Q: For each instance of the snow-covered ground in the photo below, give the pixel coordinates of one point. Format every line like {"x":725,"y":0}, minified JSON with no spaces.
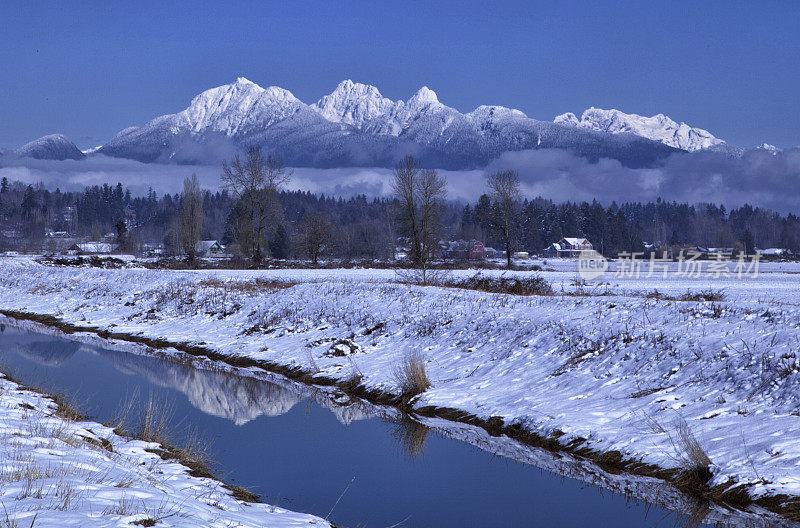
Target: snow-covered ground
{"x":611,"y":365}
{"x":55,"y":472}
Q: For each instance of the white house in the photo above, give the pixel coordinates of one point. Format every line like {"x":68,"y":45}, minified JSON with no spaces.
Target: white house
{"x":210,"y":248}
{"x":567,"y":248}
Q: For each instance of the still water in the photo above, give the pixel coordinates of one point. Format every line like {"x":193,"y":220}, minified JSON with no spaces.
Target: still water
{"x":304,"y":449}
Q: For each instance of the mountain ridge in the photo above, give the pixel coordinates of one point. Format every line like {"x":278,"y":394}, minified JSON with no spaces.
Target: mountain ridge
{"x":657,"y":128}
{"x":355,"y":125}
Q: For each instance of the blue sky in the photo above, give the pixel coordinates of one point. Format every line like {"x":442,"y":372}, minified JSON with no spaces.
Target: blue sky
{"x":88,"y":69}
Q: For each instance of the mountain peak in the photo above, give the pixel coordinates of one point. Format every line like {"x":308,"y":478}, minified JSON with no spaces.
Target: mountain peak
{"x":353,"y":103}
{"x":348,"y":88}
{"x":491,"y":112}
{"x":228,"y":107}
{"x":424,"y":96}
{"x":769,"y":148}
{"x":52,"y":147}
{"x":657,"y":128}
{"x":277,"y":94}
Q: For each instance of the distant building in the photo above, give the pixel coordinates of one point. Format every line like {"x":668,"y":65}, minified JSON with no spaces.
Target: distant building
{"x":567,"y":248}
{"x":465,"y":250}
{"x":57,"y":234}
{"x":57,"y":241}
{"x":774,"y":252}
{"x":210,"y":248}
{"x":93,"y":248}
{"x":494,"y":253}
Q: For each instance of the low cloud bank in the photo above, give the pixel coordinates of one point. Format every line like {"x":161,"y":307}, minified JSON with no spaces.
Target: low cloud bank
{"x":759,"y":177}
{"x":70,"y":175}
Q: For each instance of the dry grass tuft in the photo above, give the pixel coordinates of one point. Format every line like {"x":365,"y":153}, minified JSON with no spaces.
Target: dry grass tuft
{"x":66,"y":409}
{"x":412,"y":375}
{"x":695,"y":462}
{"x":155,"y":421}
{"x":690,"y":449}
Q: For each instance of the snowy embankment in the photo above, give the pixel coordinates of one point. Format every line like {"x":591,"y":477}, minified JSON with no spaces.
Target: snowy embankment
{"x":57,"y":472}
{"x":621,"y":370}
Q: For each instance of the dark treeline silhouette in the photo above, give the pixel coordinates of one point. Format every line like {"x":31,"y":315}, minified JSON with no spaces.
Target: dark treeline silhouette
{"x":313,"y":226}
{"x":626,"y":227}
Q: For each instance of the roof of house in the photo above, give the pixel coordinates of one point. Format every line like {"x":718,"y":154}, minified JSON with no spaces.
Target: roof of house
{"x":575,"y":241}
{"x":205,"y":245}
{"x":463,"y":244}
{"x":97,"y":247}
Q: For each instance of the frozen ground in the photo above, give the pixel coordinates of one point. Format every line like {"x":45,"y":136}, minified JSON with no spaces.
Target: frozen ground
{"x":610,"y":365}
{"x":55,"y":472}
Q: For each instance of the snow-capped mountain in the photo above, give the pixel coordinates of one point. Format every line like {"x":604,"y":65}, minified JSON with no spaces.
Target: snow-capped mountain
{"x":356,"y":126}
{"x":52,"y":147}
{"x":657,"y":128}
{"x":355,"y":104}
{"x":766,"y":147}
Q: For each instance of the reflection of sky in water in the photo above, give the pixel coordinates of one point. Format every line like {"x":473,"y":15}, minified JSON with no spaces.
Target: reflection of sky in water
{"x":289,"y":445}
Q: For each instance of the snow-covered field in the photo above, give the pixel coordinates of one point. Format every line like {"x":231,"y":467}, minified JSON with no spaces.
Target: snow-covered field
{"x":611,"y":365}
{"x":55,"y":472}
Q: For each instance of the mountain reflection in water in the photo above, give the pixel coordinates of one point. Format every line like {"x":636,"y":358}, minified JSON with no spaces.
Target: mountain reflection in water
{"x":280,"y":449}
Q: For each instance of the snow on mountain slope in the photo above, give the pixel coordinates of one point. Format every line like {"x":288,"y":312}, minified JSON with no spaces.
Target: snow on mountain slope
{"x":238,"y":106}
{"x":657,"y":128}
{"x":766,"y":147}
{"x":363,"y":107}
{"x":356,"y":126}
{"x":52,"y":147}
{"x":354,"y":104}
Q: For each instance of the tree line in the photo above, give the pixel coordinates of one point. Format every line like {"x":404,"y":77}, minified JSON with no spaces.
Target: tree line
{"x":257,"y":218}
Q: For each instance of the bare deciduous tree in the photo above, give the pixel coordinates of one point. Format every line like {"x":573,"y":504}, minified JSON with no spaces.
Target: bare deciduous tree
{"x":316,"y":235}
{"x":421,"y":193}
{"x":190,"y":217}
{"x":255,"y":182}
{"x":505,"y":193}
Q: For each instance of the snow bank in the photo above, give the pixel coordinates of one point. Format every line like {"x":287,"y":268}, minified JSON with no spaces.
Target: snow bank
{"x":619,"y":369}
{"x":59,"y":473}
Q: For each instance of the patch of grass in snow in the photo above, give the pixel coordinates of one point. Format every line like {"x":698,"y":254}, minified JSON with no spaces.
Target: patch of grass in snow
{"x":422,"y":276}
{"x":153,"y":423}
{"x":534,"y":285}
{"x":255,"y":286}
{"x":412,"y":375}
{"x":689,"y":296}
{"x":704,"y":295}
{"x":695,"y":463}
{"x":67,"y":409}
